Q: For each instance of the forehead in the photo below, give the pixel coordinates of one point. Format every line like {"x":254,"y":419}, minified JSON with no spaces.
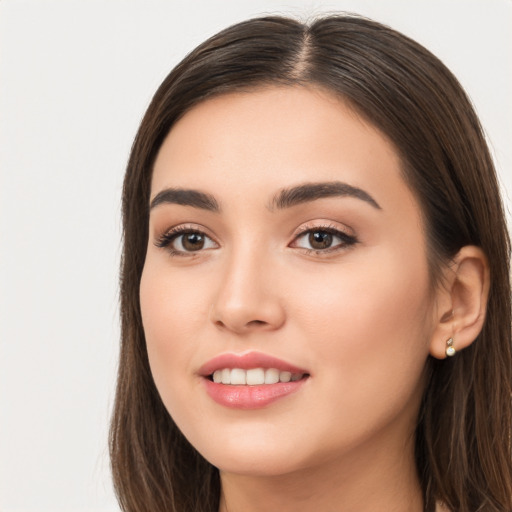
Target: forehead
{"x":275,"y":137}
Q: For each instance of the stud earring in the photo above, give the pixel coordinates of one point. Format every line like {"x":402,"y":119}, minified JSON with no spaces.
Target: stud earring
{"x":450,"y":349}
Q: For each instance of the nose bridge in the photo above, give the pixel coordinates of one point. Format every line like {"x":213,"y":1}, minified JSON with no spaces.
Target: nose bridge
{"x":247,"y":298}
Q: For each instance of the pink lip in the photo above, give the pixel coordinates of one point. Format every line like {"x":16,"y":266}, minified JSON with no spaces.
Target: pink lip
{"x":249,"y":397}
{"x":245,"y":361}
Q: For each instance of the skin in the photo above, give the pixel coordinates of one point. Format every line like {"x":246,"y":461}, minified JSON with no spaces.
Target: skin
{"x":361,"y":318}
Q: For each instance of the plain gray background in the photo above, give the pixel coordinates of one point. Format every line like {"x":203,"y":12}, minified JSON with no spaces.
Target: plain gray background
{"x":75,"y":79}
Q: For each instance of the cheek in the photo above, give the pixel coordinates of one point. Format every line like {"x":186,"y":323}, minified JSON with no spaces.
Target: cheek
{"x":368,"y":326}
{"x":360,"y":301}
{"x":173,"y":300}
{"x":173,"y":310}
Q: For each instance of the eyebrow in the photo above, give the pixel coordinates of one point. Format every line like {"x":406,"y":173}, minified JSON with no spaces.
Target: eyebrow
{"x":286,"y":198}
{"x":312,"y":191}
{"x":186,"y":197}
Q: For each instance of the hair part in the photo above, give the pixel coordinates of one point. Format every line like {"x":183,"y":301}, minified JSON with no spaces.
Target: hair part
{"x":463,"y":436}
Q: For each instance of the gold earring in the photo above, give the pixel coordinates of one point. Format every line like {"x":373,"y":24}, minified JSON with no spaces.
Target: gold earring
{"x":450,"y":349}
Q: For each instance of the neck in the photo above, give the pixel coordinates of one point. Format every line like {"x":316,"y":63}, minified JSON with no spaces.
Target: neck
{"x":360,"y":482}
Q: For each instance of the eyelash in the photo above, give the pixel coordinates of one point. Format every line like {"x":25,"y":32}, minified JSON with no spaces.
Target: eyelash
{"x":346,"y":240}
{"x":166,"y":240}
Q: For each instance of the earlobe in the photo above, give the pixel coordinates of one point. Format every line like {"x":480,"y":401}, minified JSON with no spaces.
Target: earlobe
{"x":463,"y":303}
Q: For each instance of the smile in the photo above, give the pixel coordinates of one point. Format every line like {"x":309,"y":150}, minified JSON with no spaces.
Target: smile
{"x":253,"y":376}
{"x":250,"y":380}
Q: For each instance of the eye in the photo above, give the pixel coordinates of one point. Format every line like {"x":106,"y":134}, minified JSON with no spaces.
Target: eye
{"x":192,"y":241}
{"x":323,"y":239}
{"x":182,"y":240}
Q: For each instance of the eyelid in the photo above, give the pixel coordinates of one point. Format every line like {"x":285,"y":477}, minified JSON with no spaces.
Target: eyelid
{"x":347,"y":237}
{"x":344,"y":234}
{"x":167,"y":237}
{"x":323,"y":225}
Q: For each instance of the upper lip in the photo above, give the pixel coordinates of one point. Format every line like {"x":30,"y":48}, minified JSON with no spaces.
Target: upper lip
{"x":246,"y":361}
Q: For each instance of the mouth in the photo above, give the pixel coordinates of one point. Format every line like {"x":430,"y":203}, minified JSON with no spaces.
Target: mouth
{"x":254,"y":376}
{"x":251,"y":380}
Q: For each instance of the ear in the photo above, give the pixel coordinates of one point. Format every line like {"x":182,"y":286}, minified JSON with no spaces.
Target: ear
{"x":461,"y":301}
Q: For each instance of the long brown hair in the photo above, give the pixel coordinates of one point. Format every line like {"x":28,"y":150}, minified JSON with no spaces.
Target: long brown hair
{"x":463,"y":435}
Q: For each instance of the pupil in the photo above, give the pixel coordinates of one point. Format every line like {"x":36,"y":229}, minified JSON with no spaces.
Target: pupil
{"x":320,"y":239}
{"x":193,"y":241}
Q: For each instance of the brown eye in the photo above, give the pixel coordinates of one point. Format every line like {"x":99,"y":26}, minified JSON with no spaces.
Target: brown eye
{"x":185,"y":241}
{"x":320,"y":239}
{"x":323,"y":240}
{"x":193,"y":241}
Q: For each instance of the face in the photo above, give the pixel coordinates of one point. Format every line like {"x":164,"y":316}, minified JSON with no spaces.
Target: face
{"x":285,"y":297}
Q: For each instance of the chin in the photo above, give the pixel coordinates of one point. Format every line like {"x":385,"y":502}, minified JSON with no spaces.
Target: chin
{"x":256,"y":456}
{"x":243,"y":453}
{"x":256,"y":465}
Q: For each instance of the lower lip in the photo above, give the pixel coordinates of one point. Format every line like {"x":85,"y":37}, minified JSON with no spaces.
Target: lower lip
{"x":250,"y":397}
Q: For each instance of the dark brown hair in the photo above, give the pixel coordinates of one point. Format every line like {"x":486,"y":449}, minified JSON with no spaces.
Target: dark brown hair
{"x":463,"y":436}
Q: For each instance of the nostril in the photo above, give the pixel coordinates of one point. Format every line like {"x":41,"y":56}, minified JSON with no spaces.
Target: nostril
{"x":252,"y":324}
{"x":256,"y":322}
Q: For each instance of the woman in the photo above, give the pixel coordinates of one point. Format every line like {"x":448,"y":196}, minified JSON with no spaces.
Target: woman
{"x":315,"y":291}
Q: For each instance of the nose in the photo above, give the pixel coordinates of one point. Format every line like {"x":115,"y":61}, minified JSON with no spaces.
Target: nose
{"x":248,"y":297}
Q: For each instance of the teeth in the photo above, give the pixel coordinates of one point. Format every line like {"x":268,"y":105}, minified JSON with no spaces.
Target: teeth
{"x":225,"y":376}
{"x":285,"y":376}
{"x":254,"y":376}
{"x":271,"y":376}
{"x":238,"y":376}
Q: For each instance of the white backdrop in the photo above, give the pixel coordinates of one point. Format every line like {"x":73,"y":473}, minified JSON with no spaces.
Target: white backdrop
{"x":75,"y":78}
